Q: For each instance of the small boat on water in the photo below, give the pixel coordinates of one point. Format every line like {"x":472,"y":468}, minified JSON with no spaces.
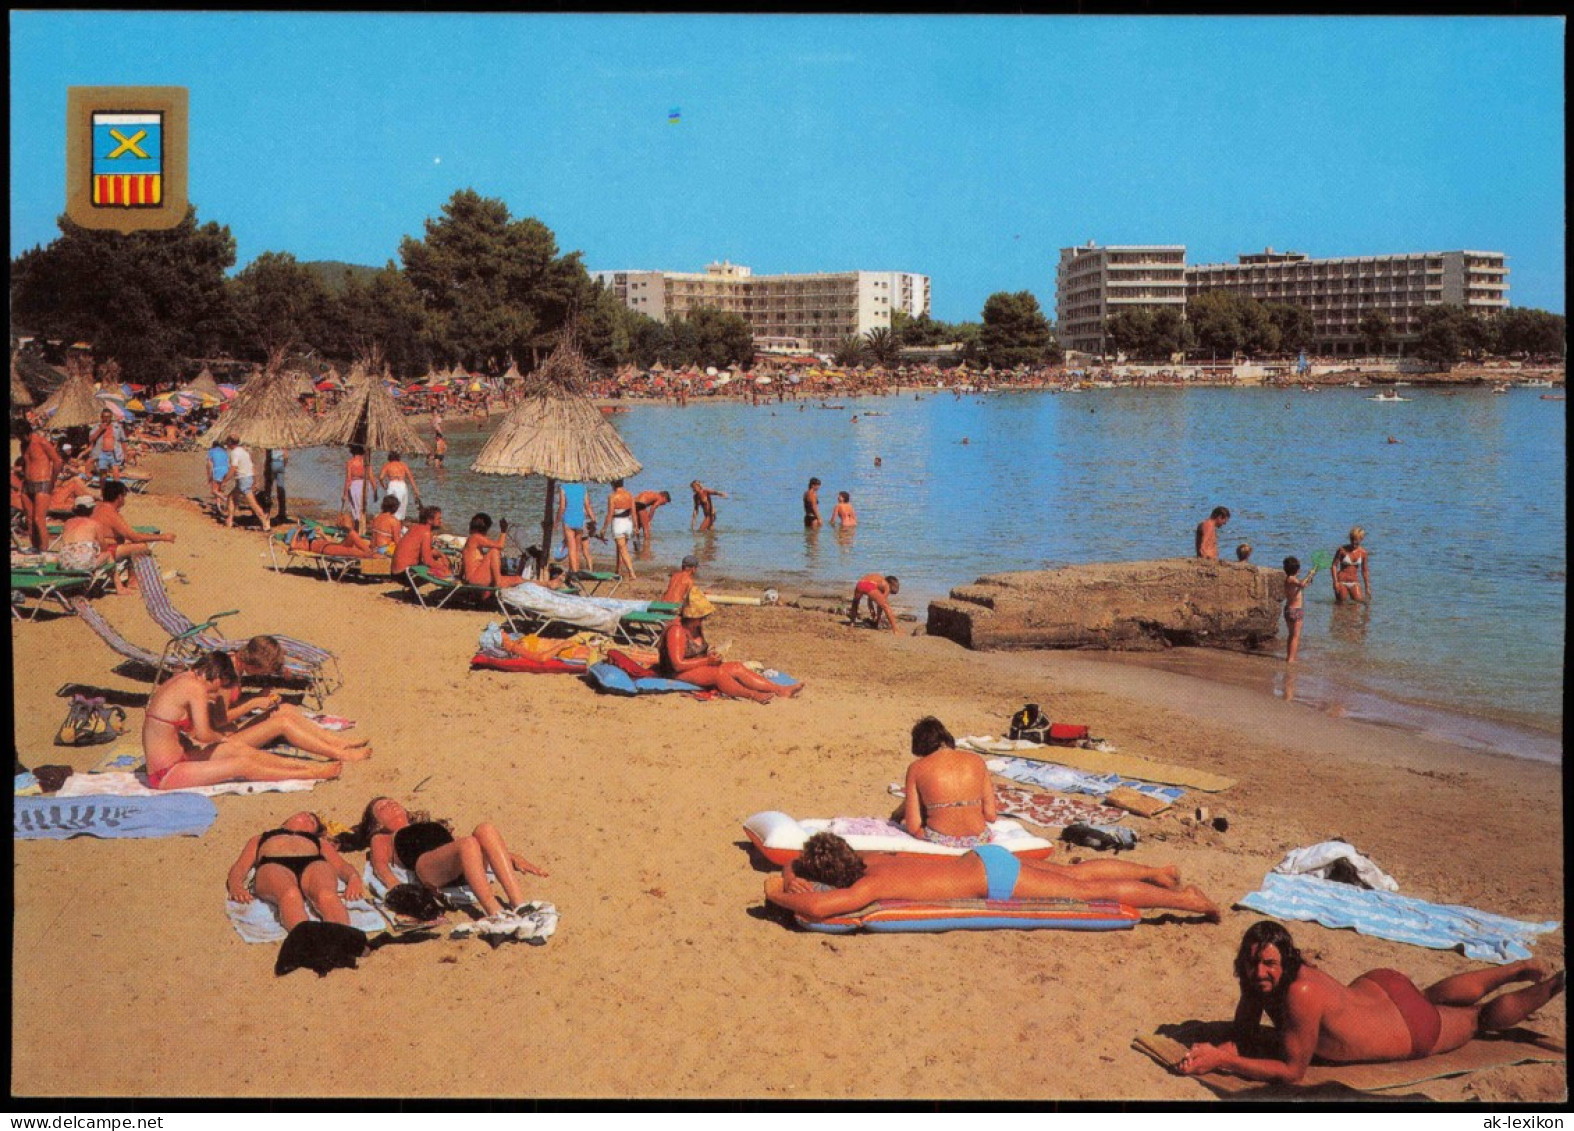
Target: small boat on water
{"x":1357,"y":384}
{"x":1553,"y":397}
{"x":1500,"y":388}
{"x":1538,"y":383}
{"x":1388,"y":398}
{"x":1401,"y":384}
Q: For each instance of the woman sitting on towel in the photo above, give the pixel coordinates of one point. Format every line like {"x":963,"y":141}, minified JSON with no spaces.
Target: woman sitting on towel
{"x":295,"y":865}
{"x":986,"y":872}
{"x":188,"y":741}
{"x":949,"y":798}
{"x":429,"y":852}
{"x":685,"y":655}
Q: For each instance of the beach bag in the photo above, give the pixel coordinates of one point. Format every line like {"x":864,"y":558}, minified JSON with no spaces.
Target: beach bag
{"x":1030,"y":725}
{"x":89,"y":722}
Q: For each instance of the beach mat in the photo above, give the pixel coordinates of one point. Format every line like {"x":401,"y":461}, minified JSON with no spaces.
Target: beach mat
{"x":110,"y":818}
{"x":133,"y":785}
{"x":1063,"y":779}
{"x":1101,"y":762}
{"x":1514,"y":1046}
{"x":1043,"y":809}
{"x":1480,"y":935}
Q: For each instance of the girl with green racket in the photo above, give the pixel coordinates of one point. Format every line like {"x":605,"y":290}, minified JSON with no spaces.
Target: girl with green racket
{"x":1295,"y":588}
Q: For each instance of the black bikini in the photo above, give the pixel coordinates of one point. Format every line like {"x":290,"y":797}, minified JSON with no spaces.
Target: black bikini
{"x":414,"y":841}
{"x":296,"y":864}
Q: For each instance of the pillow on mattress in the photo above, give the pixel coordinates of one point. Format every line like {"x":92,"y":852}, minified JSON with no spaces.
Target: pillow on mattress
{"x":607,"y":677}
{"x":780,"y":838}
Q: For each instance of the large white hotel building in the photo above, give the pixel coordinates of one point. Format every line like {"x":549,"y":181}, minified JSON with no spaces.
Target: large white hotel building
{"x":1096,"y":282}
{"x":804,"y":312}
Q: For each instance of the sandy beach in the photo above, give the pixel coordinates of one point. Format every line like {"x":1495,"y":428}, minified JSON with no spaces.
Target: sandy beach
{"x":668,"y":977}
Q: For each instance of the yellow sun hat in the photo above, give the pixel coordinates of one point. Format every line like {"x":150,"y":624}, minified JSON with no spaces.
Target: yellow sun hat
{"x":697,"y":605}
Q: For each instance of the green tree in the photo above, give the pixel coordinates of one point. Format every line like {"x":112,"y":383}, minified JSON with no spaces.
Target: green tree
{"x":493,"y":287}
{"x":1130,"y":332}
{"x":1218,"y":322}
{"x":1536,"y":333}
{"x":1375,"y":329}
{"x":384,"y":313}
{"x":1262,"y":333}
{"x":882,"y":346}
{"x":648,"y":339}
{"x":1015,"y":330}
{"x":278,"y":303}
{"x":1441,"y":339}
{"x":1295,"y":325}
{"x":1171,"y":334}
{"x":147,"y":299}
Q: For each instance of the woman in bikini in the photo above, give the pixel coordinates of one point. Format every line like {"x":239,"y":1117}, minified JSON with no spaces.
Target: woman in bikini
{"x":295,"y":866}
{"x":350,"y":545}
{"x":386,"y":529}
{"x":843,"y":514}
{"x":189,"y":738}
{"x":686,"y":655}
{"x":1350,"y":576}
{"x":620,"y":520}
{"x":359,"y":488}
{"x":429,"y":852}
{"x":951,"y":801}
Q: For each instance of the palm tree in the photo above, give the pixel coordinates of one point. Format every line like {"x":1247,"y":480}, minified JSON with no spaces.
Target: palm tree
{"x":850,"y":351}
{"x":883,"y":346}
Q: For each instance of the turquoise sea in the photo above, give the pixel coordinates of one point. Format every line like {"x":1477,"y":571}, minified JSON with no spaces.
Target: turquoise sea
{"x":1465,"y":515}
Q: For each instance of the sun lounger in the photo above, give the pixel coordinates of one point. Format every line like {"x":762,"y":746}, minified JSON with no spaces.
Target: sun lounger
{"x":118,"y":643}
{"x":41,"y":585}
{"x":590,"y":582}
{"x":301,"y":660}
{"x":446,"y":590}
{"x":530,"y":607}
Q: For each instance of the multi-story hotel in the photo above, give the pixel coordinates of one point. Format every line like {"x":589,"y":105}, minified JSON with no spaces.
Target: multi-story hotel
{"x":814,"y":312}
{"x":1094,"y":283}
{"x":1338,"y":292}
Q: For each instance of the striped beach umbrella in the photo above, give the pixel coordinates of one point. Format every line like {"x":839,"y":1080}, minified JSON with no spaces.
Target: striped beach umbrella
{"x":228,"y":392}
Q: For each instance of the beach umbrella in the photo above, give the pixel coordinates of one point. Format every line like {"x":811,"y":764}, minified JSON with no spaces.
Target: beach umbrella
{"x":204,"y":383}
{"x":111,"y":396}
{"x":20,"y":397}
{"x":762,"y":380}
{"x":136,"y":405}
{"x":265,"y":414}
{"x":367,"y":415}
{"x":228,"y":392}
{"x":74,"y":405}
{"x":556,"y":431}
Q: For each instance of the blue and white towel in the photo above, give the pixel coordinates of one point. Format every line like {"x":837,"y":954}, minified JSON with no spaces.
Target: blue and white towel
{"x":110,"y":817}
{"x":1385,"y":915}
{"x":258,"y":922}
{"x":1063,"y":779}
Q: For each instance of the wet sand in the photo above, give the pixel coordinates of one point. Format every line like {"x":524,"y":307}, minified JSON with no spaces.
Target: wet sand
{"x":668,"y":977}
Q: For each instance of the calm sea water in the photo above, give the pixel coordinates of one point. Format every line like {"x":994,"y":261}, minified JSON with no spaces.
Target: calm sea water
{"x":1465,"y":516}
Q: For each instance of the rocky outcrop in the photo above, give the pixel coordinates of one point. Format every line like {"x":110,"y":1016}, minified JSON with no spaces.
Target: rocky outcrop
{"x":1133,"y":606}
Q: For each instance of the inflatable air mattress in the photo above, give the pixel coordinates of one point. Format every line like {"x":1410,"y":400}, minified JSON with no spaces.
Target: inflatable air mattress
{"x":891,"y":915}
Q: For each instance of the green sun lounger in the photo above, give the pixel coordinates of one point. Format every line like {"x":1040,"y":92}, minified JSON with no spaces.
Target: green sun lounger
{"x":39,"y":586}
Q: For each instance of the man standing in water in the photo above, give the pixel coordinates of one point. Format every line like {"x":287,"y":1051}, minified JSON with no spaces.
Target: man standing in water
{"x":811,"y":505}
{"x":1208,"y":533}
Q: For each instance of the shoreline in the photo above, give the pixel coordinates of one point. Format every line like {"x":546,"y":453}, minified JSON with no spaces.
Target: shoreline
{"x":1502,"y":736}
{"x":635,"y":806}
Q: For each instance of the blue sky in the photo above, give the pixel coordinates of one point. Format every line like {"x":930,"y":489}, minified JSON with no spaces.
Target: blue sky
{"x":968,"y":149}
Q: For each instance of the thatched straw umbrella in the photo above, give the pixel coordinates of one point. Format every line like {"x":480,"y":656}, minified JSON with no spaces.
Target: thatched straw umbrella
{"x":20,"y":397}
{"x":204,"y":383}
{"x":266,"y":413}
{"x":74,"y":405}
{"x":556,"y":431}
{"x":368,"y":416}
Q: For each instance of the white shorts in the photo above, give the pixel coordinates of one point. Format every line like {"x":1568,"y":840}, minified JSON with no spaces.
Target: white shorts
{"x":622,"y":527}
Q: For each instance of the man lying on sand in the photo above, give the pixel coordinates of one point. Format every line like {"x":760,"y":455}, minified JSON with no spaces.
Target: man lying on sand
{"x":1381,"y":1016}
{"x":986,"y":872}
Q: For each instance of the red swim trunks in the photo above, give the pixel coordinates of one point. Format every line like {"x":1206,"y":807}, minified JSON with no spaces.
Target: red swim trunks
{"x":866,"y":587}
{"x":1421,"y":1016}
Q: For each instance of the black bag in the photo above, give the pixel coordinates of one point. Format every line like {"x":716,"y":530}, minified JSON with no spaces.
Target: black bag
{"x":415,"y":901}
{"x":1030,"y":725}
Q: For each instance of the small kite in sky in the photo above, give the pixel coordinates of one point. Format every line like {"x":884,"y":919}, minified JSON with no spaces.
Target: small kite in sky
{"x":673,"y":117}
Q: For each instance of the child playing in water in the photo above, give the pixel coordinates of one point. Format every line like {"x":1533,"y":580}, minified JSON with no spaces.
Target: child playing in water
{"x":1294,"y":594}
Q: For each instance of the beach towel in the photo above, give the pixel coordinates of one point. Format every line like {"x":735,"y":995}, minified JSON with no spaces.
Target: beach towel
{"x":1064,"y":779}
{"x":27,"y":785}
{"x":1479,"y":934}
{"x":134,"y":785}
{"x":536,"y":923}
{"x":1043,"y":808}
{"x":110,"y":817}
{"x":258,"y":922}
{"x":1168,"y":1047}
{"x":1100,"y":762}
